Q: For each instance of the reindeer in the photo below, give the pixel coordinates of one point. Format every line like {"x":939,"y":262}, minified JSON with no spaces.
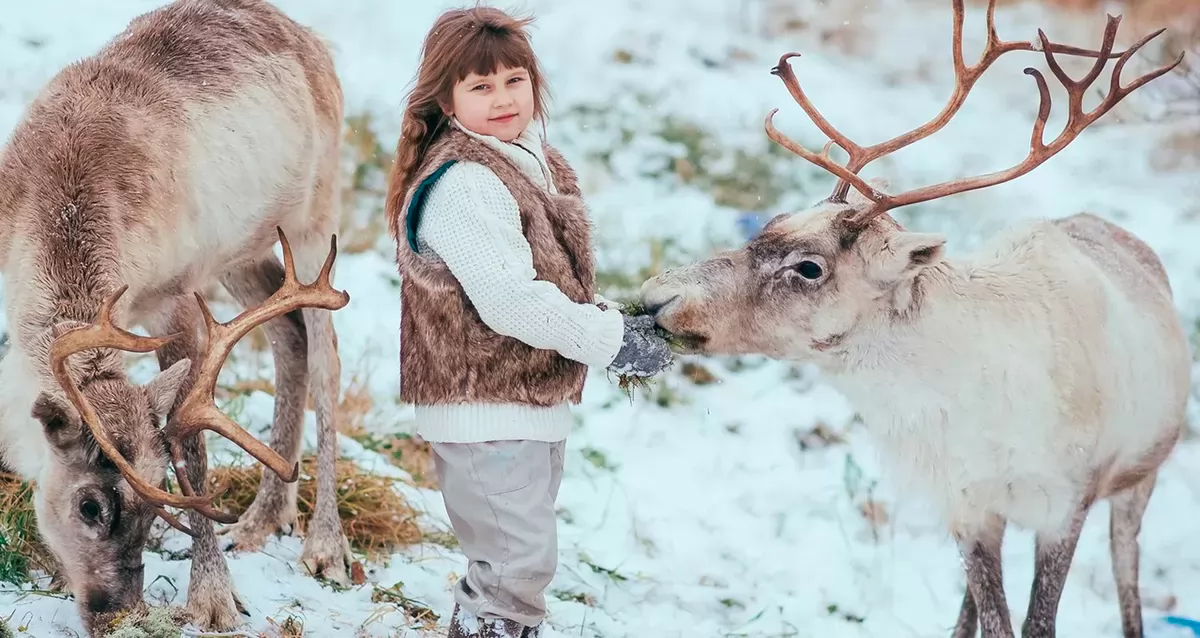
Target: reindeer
{"x":171,"y":159}
{"x":1023,"y":383}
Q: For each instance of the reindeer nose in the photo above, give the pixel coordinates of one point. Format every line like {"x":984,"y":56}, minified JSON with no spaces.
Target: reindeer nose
{"x":652,"y":307}
{"x":99,"y":602}
{"x":654,"y":294}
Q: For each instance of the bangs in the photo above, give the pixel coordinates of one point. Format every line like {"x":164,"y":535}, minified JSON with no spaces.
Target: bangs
{"x":489,"y":49}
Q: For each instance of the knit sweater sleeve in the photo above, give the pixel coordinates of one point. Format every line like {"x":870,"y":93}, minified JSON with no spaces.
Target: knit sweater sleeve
{"x":473,"y":224}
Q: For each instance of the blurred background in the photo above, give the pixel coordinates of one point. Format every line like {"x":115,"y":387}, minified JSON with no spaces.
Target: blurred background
{"x":735,"y":496}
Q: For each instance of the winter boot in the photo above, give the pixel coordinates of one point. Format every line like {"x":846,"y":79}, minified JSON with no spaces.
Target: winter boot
{"x":463,"y":625}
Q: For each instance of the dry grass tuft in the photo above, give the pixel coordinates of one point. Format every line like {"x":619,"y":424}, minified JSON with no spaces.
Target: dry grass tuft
{"x":374,"y":516}
{"x":291,"y":627}
{"x":21,"y":547}
{"x":417,"y":613}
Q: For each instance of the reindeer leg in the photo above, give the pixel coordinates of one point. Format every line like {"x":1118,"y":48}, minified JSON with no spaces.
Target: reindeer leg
{"x":327,"y":552}
{"x":1055,"y":551}
{"x":212,"y":602}
{"x":980,"y":552}
{"x":1124,"y":525}
{"x":967,"y":625}
{"x":274,"y":506}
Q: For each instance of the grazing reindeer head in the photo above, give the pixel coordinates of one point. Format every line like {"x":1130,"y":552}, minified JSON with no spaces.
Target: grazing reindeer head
{"x":88,"y":516}
{"x":104,"y":430}
{"x":812,"y":282}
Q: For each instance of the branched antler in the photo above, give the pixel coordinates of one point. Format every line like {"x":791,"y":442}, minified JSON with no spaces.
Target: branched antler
{"x":105,"y":334}
{"x":197,"y":411}
{"x":965,"y":78}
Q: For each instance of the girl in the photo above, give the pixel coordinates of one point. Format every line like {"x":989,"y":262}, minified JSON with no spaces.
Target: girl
{"x":499,"y":319}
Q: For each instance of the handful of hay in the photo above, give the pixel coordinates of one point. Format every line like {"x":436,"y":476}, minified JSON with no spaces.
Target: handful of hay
{"x":627,"y":382}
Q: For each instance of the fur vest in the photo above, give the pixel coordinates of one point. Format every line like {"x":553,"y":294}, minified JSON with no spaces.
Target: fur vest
{"x":447,"y":353}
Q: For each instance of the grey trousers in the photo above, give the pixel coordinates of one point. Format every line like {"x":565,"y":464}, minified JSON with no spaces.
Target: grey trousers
{"x":500,"y":497}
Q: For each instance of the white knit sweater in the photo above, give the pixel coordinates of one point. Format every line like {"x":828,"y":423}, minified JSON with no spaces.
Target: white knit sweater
{"x":472,"y":223}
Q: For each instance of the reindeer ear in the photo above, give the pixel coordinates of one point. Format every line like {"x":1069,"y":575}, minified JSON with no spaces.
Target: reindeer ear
{"x":905,"y":254}
{"x":58,"y":421}
{"x":164,"y":387}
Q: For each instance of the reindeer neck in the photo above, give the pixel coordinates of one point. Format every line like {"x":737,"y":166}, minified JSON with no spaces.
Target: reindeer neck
{"x":25,"y":374}
{"x":46,"y":307}
{"x":945,"y":309}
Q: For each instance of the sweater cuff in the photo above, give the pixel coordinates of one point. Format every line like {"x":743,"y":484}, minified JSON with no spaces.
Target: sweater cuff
{"x":609,"y":338}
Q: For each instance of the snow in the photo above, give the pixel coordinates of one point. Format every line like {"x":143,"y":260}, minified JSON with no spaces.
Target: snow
{"x":705,"y":517}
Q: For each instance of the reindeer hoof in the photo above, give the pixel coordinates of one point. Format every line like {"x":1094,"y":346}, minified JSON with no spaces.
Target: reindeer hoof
{"x":327,"y":556}
{"x":215,"y":608}
{"x":256,"y":526}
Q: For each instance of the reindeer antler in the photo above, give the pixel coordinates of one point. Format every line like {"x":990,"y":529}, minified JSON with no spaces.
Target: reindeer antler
{"x":105,"y":334}
{"x":965,"y":78}
{"x":198,"y":410}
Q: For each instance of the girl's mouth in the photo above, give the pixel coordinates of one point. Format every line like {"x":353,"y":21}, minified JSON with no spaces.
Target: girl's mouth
{"x":505,"y":119}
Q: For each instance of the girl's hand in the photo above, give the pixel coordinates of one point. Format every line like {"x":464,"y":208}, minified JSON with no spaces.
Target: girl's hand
{"x":643,"y":352}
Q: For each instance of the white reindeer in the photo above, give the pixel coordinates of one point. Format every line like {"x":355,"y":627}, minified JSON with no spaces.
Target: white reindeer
{"x":170,"y":159}
{"x":1023,"y":383}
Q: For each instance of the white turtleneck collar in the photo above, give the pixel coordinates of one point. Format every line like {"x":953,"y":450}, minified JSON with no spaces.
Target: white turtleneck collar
{"x":525,"y":152}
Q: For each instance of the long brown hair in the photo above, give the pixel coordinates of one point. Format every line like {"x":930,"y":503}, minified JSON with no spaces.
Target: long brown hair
{"x":462,"y":41}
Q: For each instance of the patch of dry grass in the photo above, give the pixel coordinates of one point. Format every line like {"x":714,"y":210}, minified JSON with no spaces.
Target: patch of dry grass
{"x":375,"y":517}
{"x":291,"y":627}
{"x":417,"y":613}
{"x":21,"y":547}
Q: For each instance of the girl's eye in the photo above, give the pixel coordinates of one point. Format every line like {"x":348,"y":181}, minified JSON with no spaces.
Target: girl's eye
{"x":479,"y":87}
{"x":517,"y":80}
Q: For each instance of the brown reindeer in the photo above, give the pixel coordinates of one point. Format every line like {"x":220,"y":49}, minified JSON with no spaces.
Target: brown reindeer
{"x":1023,"y":383}
{"x":172,"y":158}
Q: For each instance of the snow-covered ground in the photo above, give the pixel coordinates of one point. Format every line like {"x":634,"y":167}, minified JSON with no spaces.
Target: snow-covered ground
{"x":703,"y":514}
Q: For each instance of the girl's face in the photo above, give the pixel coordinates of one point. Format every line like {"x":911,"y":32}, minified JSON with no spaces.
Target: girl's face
{"x":500,"y":104}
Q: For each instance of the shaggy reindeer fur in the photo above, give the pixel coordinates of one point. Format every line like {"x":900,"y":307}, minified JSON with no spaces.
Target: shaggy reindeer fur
{"x":164,"y":162}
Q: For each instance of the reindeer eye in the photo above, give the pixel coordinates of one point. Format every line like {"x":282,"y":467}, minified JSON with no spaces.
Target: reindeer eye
{"x":89,"y":510}
{"x":809,"y":269}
